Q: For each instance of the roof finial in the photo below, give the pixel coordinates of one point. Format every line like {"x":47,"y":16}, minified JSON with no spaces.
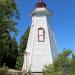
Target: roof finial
{"x":40,"y":1}
{"x":40,"y":4}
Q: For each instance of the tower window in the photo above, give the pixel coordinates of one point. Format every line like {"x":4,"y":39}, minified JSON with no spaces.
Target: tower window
{"x":41,"y":35}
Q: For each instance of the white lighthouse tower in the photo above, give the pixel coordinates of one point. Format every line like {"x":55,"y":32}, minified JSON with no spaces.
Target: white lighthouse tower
{"x":41,"y":46}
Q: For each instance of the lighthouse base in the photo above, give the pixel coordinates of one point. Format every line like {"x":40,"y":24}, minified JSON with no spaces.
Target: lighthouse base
{"x":36,"y":73}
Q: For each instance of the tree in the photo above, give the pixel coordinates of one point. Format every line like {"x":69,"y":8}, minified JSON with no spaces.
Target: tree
{"x":8,"y":16}
{"x":23,"y":41}
{"x":12,"y":53}
{"x":8,"y":13}
{"x":23,"y":44}
{"x":62,"y":65}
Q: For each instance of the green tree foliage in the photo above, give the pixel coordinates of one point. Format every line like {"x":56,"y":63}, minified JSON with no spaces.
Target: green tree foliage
{"x":8,"y":12}
{"x":19,"y":62}
{"x":12,"y":53}
{"x":23,"y":44}
{"x":64,"y":64}
{"x":8,"y":16}
{"x":23,"y":41}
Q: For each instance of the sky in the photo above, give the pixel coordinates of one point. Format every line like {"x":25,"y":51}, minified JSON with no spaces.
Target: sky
{"x":62,"y":20}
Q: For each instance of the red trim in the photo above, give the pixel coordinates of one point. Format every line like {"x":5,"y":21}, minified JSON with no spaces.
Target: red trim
{"x":40,"y":4}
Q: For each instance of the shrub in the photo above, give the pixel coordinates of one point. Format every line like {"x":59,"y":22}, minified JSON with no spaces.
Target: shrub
{"x":3,"y":71}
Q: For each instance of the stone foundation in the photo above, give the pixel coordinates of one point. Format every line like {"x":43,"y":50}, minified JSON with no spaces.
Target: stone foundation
{"x":14,"y":72}
{"x":36,"y":73}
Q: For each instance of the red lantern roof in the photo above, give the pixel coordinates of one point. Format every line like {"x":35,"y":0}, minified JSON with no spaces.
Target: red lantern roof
{"x":40,"y":4}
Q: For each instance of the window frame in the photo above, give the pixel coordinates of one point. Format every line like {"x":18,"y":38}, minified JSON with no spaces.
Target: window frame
{"x":41,"y":35}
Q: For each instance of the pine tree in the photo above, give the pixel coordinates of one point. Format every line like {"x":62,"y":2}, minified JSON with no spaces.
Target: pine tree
{"x":23,"y":44}
{"x":12,"y":54}
{"x":8,"y":15}
{"x":23,"y":40}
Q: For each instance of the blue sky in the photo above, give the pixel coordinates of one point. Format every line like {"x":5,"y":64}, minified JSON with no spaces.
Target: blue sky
{"x":62,"y":21}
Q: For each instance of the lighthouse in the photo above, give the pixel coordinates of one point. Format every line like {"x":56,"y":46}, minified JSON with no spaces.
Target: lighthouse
{"x":41,"y":46}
